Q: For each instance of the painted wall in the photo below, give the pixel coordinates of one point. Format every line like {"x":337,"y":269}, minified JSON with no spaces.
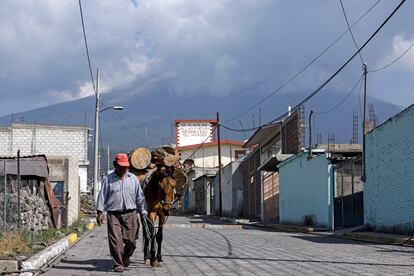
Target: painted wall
{"x":306,"y":190}
{"x":191,"y":192}
{"x":207,"y":157}
{"x":389,"y":187}
{"x":66,"y":170}
{"x":232,"y":190}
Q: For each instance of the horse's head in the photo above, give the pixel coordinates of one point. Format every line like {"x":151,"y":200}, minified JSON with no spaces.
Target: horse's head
{"x":166,"y":187}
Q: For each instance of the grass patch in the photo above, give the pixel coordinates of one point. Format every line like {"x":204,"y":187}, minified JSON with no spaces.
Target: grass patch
{"x":12,"y":244}
{"x":28,"y":244}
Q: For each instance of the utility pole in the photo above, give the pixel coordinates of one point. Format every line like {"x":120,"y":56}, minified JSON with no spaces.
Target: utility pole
{"x":310,"y":135}
{"x":219,"y":163}
{"x":365,"y":68}
{"x":95,"y":162}
{"x":146,"y":137}
{"x":107,"y":171}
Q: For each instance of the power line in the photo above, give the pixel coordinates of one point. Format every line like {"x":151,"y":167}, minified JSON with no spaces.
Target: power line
{"x":394,"y":61}
{"x":303,"y":69}
{"x":86,"y":46}
{"x":336,"y":73}
{"x":350,"y":31}
{"x":342,"y":101}
{"x":199,"y":147}
{"x":346,"y":63}
{"x":239,"y":130}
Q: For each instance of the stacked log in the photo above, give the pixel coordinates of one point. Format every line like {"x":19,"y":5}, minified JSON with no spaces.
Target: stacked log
{"x":143,"y":162}
{"x":167,"y":156}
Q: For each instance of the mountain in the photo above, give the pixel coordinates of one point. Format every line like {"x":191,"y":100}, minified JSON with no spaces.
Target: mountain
{"x":147,"y":118}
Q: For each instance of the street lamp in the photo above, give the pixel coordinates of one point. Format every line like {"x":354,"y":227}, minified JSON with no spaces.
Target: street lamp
{"x":96,"y":138}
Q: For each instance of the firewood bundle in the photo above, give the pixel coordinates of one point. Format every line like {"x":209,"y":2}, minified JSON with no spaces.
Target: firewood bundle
{"x":144,"y":162}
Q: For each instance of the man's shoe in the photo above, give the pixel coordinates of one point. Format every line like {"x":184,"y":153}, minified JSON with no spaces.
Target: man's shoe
{"x":118,"y":268}
{"x":126,"y":262}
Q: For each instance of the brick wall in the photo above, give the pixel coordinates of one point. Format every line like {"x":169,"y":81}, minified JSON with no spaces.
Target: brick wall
{"x":4,"y":141}
{"x":389,"y":187}
{"x":48,"y":140}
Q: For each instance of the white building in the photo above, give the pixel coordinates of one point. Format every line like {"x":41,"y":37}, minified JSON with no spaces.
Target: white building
{"x":206,"y":155}
{"x":66,"y":149}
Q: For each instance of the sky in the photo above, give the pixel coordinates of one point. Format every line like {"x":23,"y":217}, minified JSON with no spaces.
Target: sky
{"x":218,"y":48}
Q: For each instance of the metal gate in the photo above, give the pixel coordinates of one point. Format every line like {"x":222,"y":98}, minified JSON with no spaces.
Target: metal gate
{"x":348,"y":195}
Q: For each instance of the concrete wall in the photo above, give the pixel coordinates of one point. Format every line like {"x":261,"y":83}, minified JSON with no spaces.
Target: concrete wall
{"x":207,"y":157}
{"x":306,"y":190}
{"x":49,"y":140}
{"x":232,"y":190}
{"x":66,"y":169}
{"x":83,"y":179}
{"x":389,"y":187}
{"x":191,"y":192}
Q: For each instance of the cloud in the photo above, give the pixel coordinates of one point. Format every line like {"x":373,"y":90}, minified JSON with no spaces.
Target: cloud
{"x":400,"y":44}
{"x":218,"y":47}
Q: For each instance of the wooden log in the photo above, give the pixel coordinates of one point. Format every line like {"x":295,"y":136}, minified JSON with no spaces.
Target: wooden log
{"x":140,"y":158}
{"x":180,"y":180}
{"x":167,"y":156}
{"x":140,"y":174}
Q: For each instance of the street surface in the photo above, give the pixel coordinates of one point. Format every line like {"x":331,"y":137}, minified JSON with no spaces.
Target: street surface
{"x":223,"y":251}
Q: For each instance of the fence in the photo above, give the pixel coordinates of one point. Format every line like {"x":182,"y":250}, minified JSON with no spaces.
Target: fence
{"x":9,"y":200}
{"x":348,"y":201}
{"x":22,"y":200}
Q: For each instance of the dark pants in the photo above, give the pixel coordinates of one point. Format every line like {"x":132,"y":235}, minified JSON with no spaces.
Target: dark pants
{"x":122,"y":232}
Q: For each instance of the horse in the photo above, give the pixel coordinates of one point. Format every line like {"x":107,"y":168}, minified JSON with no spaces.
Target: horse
{"x":159,"y":194}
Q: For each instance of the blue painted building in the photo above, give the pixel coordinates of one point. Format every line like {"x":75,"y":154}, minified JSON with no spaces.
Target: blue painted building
{"x":305,"y":190}
{"x":325,"y":190}
{"x":389,"y":187}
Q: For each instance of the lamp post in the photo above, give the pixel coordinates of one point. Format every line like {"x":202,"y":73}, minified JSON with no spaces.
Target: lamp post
{"x":96,"y":138}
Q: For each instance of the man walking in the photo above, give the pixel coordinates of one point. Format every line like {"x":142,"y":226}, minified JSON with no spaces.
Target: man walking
{"x":121,"y":197}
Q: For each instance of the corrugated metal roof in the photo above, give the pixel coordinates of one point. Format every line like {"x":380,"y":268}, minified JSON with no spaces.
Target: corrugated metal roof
{"x":35,"y":165}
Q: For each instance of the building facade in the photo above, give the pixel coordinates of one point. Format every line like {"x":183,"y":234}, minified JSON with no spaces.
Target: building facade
{"x":66,"y":149}
{"x":389,"y":186}
{"x":206,"y":155}
{"x":306,"y":196}
{"x":232,"y":190}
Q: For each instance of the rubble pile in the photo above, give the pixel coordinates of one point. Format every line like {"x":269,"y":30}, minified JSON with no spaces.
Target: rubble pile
{"x":34,"y":212}
{"x":88,"y":204}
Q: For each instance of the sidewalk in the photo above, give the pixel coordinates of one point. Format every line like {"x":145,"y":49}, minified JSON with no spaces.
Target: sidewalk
{"x":381,"y":238}
{"x":353,"y":233}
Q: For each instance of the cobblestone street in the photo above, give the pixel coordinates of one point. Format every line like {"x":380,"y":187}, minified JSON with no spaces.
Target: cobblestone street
{"x":224,"y":251}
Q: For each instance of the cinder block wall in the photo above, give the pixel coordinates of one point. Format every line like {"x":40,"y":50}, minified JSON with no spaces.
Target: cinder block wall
{"x":389,"y":187}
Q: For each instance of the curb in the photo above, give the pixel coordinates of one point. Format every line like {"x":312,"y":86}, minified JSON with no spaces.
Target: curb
{"x":41,"y":258}
{"x":90,"y":226}
{"x":387,"y":239}
{"x":202,"y":226}
{"x":282,"y":227}
{"x":37,"y":261}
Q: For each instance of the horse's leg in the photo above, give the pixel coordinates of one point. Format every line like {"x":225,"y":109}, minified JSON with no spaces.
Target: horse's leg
{"x":159,"y":240}
{"x":146,"y":244}
{"x":153,"y":260}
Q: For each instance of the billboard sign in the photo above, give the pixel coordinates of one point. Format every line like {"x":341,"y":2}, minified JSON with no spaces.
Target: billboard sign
{"x":193,"y":132}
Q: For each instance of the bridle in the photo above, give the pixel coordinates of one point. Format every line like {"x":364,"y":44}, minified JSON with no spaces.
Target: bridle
{"x":164,"y":202}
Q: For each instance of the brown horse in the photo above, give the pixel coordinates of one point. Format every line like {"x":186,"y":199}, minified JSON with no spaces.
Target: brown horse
{"x":159,"y":193}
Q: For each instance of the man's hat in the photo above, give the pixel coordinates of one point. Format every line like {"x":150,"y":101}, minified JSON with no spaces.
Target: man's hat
{"x":122,"y":160}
